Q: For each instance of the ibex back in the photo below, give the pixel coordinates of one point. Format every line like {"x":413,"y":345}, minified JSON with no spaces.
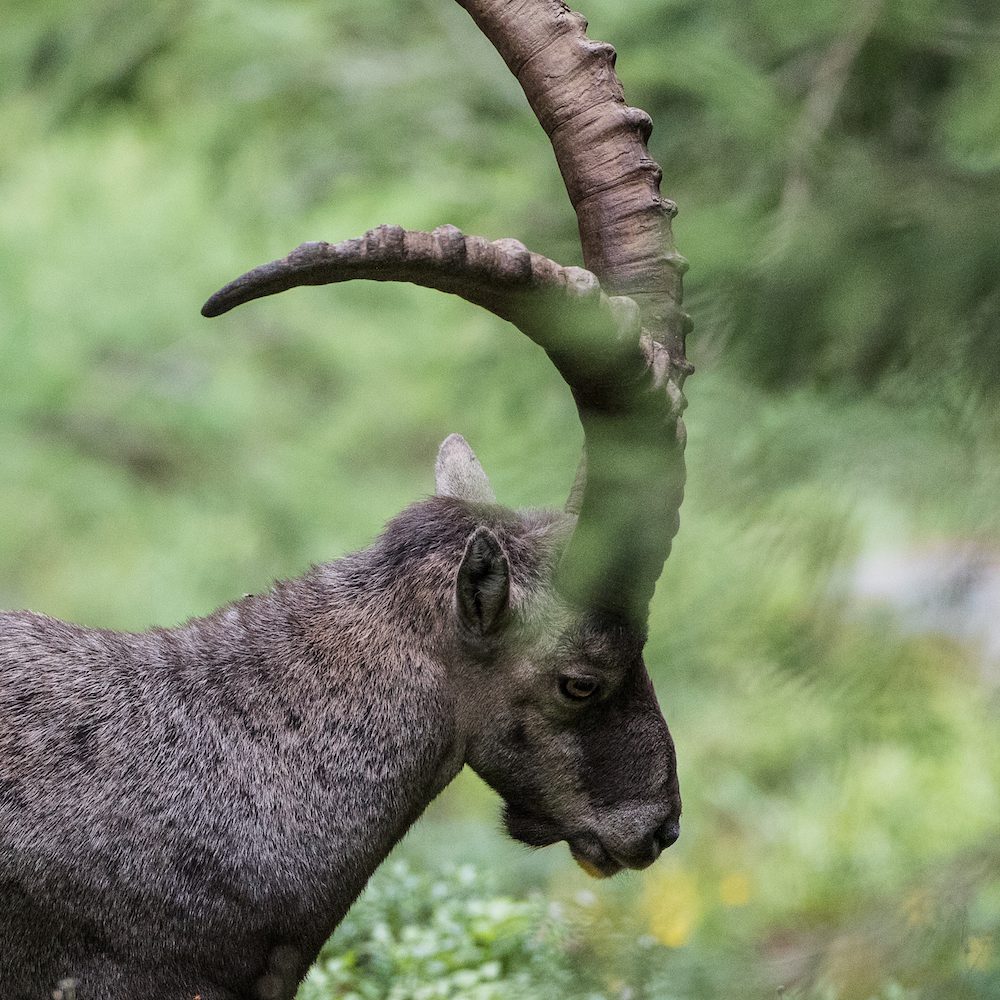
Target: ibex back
{"x":190,"y":811}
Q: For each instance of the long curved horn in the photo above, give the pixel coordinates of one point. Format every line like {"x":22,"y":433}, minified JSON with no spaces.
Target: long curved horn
{"x":622,"y":355}
{"x":630,"y":494}
{"x":562,"y":309}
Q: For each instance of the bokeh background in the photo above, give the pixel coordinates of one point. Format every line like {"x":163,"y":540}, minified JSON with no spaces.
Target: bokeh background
{"x":826,"y":637}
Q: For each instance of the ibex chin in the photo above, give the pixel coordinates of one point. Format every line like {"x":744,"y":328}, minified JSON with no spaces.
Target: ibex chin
{"x":189,"y":812}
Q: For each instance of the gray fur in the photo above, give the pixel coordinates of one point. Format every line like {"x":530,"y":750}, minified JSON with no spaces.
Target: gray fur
{"x":482,"y":590}
{"x":189,"y":812}
{"x":458,"y":473}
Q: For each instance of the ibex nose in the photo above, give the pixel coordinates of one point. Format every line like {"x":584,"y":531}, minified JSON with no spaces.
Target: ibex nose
{"x":667,"y":834}
{"x":643,"y":854}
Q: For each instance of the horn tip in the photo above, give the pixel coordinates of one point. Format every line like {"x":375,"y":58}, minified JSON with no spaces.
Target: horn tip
{"x":216,"y":305}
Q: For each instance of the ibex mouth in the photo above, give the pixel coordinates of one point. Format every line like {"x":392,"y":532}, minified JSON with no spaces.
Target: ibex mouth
{"x":586,"y":848}
{"x":589,"y":853}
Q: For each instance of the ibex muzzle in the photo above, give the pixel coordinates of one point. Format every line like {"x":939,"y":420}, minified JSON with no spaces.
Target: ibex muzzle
{"x":190,"y":811}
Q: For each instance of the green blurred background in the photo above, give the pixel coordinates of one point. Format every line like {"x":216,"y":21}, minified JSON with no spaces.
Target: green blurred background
{"x":825,"y":638}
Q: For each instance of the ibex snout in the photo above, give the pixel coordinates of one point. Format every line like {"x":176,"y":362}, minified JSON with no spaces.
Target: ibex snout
{"x":645,"y":851}
{"x":626,"y":844}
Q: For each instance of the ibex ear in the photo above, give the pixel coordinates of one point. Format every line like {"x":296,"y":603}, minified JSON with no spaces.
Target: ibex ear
{"x":457,"y":472}
{"x":483,"y":586}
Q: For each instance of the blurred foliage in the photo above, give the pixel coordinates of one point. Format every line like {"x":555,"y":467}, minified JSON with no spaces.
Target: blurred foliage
{"x":838,"y":170}
{"x":413,"y":937}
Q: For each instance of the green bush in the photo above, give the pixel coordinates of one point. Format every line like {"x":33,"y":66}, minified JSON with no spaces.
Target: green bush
{"x":416,"y":936}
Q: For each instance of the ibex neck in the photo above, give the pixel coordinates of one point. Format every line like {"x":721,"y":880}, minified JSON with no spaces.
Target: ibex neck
{"x":327,"y":700}
{"x":276,"y":751}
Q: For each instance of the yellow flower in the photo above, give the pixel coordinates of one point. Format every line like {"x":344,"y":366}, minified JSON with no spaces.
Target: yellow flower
{"x":734,"y":889}
{"x":672,"y":906}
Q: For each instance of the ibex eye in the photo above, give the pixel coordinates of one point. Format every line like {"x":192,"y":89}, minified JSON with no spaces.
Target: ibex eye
{"x":577,"y":688}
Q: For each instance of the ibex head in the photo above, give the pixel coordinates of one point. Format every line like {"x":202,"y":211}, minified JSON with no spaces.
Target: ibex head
{"x":557,"y":707}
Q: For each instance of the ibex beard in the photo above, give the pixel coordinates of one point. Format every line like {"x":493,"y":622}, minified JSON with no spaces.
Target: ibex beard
{"x":192,"y":810}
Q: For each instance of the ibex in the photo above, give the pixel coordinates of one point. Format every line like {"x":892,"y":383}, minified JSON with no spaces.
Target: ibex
{"x":190,"y":811}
